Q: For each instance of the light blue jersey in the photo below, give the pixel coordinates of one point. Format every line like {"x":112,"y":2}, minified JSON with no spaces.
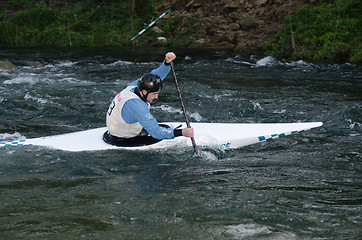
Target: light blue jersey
{"x":136,"y":110}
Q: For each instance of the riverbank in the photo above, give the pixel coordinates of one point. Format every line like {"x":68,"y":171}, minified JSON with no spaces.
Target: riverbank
{"x":287,"y":29}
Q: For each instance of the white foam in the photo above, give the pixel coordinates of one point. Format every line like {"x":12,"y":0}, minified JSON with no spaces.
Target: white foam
{"x":4,"y":73}
{"x":297,"y":63}
{"x":251,"y":231}
{"x":169,"y":109}
{"x":74,"y":80}
{"x":22,"y":78}
{"x":271,"y":61}
{"x":304,"y":66}
{"x":49,"y":66}
{"x":65,"y":64}
{"x":257,"y":106}
{"x":196,"y":116}
{"x":120,"y":63}
{"x":39,"y":100}
{"x":205,"y":155}
{"x":267,"y":61}
{"x":353,"y":124}
{"x":247,"y":230}
{"x":11,"y":137}
{"x":238,"y":61}
{"x":279,"y":111}
{"x":221,"y":97}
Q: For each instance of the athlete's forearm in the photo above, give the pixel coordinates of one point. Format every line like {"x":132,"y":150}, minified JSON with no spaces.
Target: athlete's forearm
{"x":162,"y":70}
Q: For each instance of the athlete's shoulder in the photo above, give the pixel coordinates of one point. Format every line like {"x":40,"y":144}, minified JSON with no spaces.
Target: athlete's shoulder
{"x":134,"y":83}
{"x":136,"y":104}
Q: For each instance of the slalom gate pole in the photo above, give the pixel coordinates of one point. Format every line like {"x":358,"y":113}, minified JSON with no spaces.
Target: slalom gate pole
{"x":150,"y":25}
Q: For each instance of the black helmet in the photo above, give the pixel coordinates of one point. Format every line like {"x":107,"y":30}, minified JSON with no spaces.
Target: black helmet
{"x":150,"y":82}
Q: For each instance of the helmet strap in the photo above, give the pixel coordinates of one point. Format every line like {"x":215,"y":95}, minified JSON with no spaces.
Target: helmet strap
{"x":139,"y":93}
{"x":145,"y":97}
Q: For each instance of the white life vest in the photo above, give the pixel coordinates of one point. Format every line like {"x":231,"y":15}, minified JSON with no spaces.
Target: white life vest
{"x":115,"y":123}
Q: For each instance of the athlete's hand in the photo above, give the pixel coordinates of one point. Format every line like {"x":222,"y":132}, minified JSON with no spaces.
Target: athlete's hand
{"x":188,"y":132}
{"x":170,"y":56}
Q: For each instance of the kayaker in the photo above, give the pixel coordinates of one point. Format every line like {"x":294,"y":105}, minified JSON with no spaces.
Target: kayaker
{"x":129,"y":116}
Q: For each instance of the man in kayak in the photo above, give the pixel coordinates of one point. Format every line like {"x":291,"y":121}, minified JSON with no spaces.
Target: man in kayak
{"x":129,"y":116}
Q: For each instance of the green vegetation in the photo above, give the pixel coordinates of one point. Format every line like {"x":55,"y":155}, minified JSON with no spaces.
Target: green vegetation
{"x":87,"y":23}
{"x":321,"y":33}
{"x":72,"y":23}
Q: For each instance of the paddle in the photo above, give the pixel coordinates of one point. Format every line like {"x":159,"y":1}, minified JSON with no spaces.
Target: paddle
{"x":183,"y":107}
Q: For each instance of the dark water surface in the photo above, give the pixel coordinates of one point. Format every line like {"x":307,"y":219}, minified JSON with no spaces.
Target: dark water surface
{"x":306,"y":186}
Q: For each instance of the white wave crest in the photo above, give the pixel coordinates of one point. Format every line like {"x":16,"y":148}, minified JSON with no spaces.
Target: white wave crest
{"x":270,"y":61}
{"x":297,"y":63}
{"x":65,"y":64}
{"x":11,"y":137}
{"x":279,"y":111}
{"x":353,"y":124}
{"x":247,"y":230}
{"x":196,"y":116}
{"x":120,"y":63}
{"x":169,"y":109}
{"x":235,"y":60}
{"x":267,"y":61}
{"x":28,"y":78}
{"x":256,"y":105}
{"x":252,"y":231}
{"x":4,"y":73}
{"x":39,"y":100}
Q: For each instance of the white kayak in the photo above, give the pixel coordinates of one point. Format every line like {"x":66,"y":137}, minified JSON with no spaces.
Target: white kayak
{"x":207,"y":135}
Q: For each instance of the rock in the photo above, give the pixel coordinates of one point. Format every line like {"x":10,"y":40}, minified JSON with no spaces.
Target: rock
{"x":247,"y":22}
{"x":342,"y":55}
{"x":186,"y":15}
{"x":225,"y":44}
{"x":162,"y":39}
{"x":222,"y":37}
{"x":200,"y":41}
{"x":260,"y":2}
{"x":280,"y":1}
{"x":199,"y":13}
{"x":157,"y":30}
{"x":261,"y":11}
{"x":6,"y":65}
{"x":235,"y":15}
{"x":190,"y":3}
{"x":197,"y":4}
{"x":237,"y":37}
{"x":184,"y":31}
{"x":234,"y":26}
{"x":248,"y":5}
{"x":232,"y":6}
{"x":194,"y":3}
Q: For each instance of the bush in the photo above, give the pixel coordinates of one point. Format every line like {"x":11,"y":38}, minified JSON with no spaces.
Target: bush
{"x":320,"y":31}
{"x":36,"y":18}
{"x":7,"y":34}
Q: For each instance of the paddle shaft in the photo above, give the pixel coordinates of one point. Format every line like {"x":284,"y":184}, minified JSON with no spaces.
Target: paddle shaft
{"x":183,"y":106}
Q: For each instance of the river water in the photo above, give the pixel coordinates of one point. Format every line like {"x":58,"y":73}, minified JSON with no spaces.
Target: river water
{"x":305,"y":186}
